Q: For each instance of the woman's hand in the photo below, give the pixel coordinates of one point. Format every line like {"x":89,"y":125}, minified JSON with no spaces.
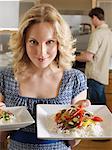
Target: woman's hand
{"x":74,"y":143}
{"x":3,"y":134}
{"x":84,"y":103}
{"x":2,"y":104}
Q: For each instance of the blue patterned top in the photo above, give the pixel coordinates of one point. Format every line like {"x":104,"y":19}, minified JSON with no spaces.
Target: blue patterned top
{"x":73,"y":82}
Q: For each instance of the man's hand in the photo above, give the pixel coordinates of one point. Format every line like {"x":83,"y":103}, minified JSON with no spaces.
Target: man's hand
{"x":85,"y":56}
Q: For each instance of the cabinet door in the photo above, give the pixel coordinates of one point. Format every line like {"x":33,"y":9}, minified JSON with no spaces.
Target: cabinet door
{"x":70,"y":5}
{"x":106,"y":5}
{"x":9,"y":14}
{"x":108,"y":92}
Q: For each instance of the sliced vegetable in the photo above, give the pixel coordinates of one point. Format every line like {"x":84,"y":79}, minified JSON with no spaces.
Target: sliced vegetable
{"x":96,"y":118}
{"x":5,"y":115}
{"x":75,"y":117}
{"x":87,"y":122}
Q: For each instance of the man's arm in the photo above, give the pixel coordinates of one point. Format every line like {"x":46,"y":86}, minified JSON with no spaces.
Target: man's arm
{"x":85,"y":56}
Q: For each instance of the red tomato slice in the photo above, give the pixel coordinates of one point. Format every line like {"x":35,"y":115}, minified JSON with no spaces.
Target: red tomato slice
{"x":57,"y":117}
{"x":96,"y":118}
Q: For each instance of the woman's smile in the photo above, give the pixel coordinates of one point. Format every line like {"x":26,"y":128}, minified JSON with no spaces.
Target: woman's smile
{"x":42,"y":60}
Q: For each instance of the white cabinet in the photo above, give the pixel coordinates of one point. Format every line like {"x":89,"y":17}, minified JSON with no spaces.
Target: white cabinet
{"x":9,"y":14}
{"x":107,"y":7}
{"x":71,"y":6}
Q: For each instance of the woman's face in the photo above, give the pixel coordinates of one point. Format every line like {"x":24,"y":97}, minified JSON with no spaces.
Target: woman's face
{"x":41,"y":44}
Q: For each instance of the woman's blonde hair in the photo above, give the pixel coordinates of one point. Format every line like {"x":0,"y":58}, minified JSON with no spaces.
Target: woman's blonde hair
{"x":37,"y":14}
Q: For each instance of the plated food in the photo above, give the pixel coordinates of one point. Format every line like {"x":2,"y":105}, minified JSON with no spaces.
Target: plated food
{"x":76,"y":121}
{"x":6,"y":116}
{"x":14,"y":118}
{"x":47,"y":126}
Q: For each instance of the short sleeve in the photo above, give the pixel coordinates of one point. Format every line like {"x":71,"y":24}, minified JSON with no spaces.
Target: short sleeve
{"x":80,"y":83}
{"x":93,"y":44}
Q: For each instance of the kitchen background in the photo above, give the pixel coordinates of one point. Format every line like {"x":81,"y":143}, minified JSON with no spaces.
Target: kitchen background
{"x":76,"y":14}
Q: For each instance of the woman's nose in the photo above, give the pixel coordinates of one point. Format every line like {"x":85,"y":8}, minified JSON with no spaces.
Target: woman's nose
{"x":43,"y":50}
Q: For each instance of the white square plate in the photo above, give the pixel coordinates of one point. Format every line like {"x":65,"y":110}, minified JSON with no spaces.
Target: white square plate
{"x":45,"y":110}
{"x":23,"y":119}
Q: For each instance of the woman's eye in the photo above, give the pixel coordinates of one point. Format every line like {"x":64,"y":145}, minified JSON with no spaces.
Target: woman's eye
{"x":50,"y":42}
{"x":33,"y":42}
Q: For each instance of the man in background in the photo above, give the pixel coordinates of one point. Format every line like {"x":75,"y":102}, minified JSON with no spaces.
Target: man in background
{"x":97,"y":57}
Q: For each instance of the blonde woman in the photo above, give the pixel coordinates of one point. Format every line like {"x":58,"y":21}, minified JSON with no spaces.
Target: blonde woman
{"x":41,"y":73}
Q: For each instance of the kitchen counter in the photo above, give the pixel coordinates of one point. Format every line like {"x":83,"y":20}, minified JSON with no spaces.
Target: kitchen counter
{"x":81,"y":65}
{"x":77,"y":64}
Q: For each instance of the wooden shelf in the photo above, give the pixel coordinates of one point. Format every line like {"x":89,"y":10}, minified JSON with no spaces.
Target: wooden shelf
{"x":108,"y":92}
{"x":5,"y":31}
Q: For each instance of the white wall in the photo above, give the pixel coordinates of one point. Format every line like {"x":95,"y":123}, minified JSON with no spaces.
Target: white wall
{"x":107,"y":7}
{"x":9,"y":14}
{"x":75,"y":20}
